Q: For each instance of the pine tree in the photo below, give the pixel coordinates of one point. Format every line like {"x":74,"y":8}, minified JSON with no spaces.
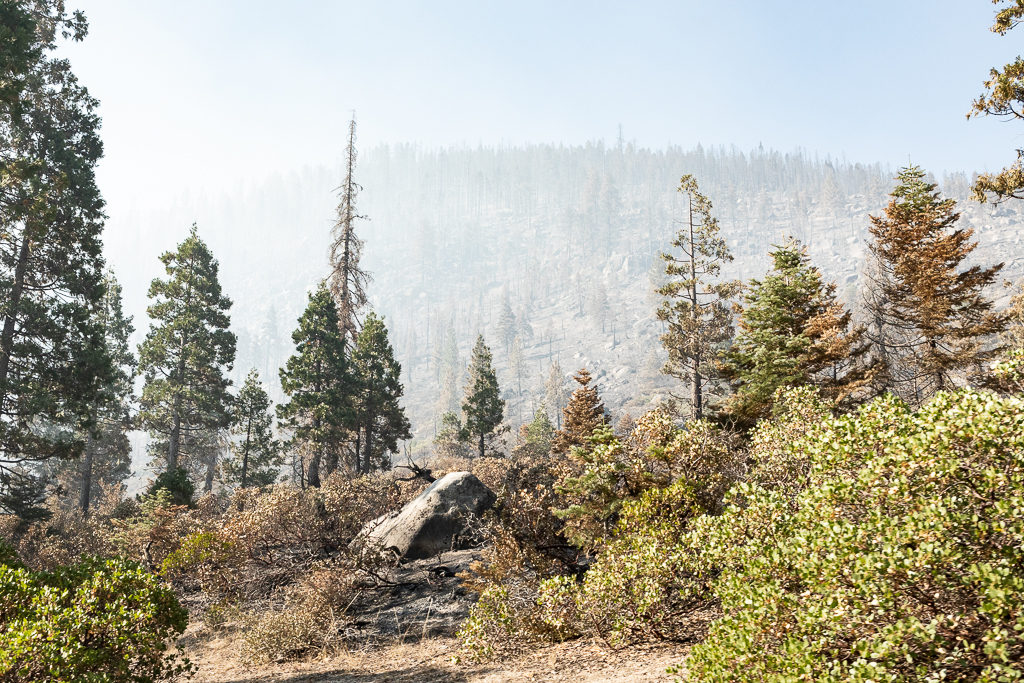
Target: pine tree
{"x":555,"y":393}
{"x":52,"y":356}
{"x":696,"y":305}
{"x":380,"y":415}
{"x":347,"y":280}
{"x":506,"y":323}
{"x":516,"y":362}
{"x":1003,"y":98}
{"x":185,"y":355}
{"x":256,"y":456}
{"x":483,"y":407}
{"x":446,"y":363}
{"x":535,"y":437}
{"x":931,"y":320}
{"x":448,"y":443}
{"x":107,"y":457}
{"x":584,"y":413}
{"x":318,"y":382}
{"x":793,"y":332}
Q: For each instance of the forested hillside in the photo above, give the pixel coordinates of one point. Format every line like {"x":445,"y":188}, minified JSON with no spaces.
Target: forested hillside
{"x":567,"y":236}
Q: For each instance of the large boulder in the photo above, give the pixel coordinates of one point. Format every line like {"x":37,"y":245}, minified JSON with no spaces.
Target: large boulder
{"x":435,"y":521}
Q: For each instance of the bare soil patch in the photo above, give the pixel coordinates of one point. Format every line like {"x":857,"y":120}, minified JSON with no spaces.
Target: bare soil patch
{"x":430,"y":661}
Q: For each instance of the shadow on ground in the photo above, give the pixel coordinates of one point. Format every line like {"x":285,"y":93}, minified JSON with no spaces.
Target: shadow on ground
{"x":412,"y":674}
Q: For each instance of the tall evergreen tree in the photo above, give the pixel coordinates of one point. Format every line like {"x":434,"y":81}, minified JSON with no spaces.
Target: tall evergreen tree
{"x":506,"y":325}
{"x":107,"y":457}
{"x":483,"y":407}
{"x":793,"y":332}
{"x":318,"y":382}
{"x":348,"y":280}
{"x":555,"y":393}
{"x":696,"y":306}
{"x":380,"y":414}
{"x":931,"y":319}
{"x":256,"y":455}
{"x":582,"y":415}
{"x":52,"y":355}
{"x":186,"y":354}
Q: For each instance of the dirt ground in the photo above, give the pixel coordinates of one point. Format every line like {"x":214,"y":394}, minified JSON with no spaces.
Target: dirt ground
{"x":430,"y":661}
{"x":403,"y":633}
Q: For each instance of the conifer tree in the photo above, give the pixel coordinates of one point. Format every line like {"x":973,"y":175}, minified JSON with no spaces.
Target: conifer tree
{"x":555,"y":393}
{"x":696,"y":305}
{"x":446,"y":360}
{"x":584,"y":413}
{"x":931,"y":318}
{"x":186,"y":354}
{"x":1003,"y":98}
{"x":506,"y":323}
{"x":348,"y":280}
{"x":448,"y":443}
{"x":52,"y":355}
{"x":793,"y":332}
{"x":380,"y":414}
{"x":256,"y":456}
{"x":318,"y":382}
{"x":535,"y":437}
{"x":483,"y":407}
{"x":107,"y":455}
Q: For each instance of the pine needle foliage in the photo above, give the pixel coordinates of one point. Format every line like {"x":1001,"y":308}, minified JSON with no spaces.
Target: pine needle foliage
{"x":52,"y":355}
{"x":483,"y":408}
{"x":583,"y":414}
{"x":1003,"y":98}
{"x":318,"y":382}
{"x":931,"y":319}
{"x":696,"y":308}
{"x":793,"y":332}
{"x":256,"y":456}
{"x":381,"y":418}
{"x":186,"y":352}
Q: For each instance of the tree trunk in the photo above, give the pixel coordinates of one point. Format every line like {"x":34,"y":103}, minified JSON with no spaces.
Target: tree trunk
{"x":696,"y":394}
{"x":481,"y":444}
{"x":368,"y":459}
{"x":175,"y":437}
{"x":85,"y":495}
{"x":313,"y":476}
{"x":245,"y":452}
{"x":211,"y":470}
{"x":13,"y":301}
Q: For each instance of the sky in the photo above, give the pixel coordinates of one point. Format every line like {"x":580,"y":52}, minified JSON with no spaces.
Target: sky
{"x":209,"y":95}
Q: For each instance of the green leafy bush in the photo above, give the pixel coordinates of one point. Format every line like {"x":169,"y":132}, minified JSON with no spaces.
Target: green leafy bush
{"x":99,"y":620}
{"x":177,"y":483}
{"x":628,"y":502}
{"x":647,"y":580}
{"x":894,"y":553}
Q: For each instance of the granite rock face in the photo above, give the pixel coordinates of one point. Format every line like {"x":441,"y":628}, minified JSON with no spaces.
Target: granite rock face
{"x":435,"y":521}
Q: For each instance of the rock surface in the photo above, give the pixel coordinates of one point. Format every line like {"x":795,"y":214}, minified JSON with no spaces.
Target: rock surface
{"x":435,"y":521}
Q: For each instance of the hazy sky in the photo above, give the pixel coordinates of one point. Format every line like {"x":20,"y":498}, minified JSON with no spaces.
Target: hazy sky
{"x":211,"y":94}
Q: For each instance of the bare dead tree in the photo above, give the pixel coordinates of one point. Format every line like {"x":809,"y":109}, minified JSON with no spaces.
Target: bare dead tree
{"x":347,"y":280}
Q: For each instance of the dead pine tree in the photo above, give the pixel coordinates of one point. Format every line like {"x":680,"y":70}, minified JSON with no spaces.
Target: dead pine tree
{"x":347,"y":280}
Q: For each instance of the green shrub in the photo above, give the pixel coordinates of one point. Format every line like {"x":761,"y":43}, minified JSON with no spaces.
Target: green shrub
{"x":647,"y":581}
{"x":177,"y":483}
{"x":629,"y":502}
{"x":99,"y":620}
{"x":898,"y":556}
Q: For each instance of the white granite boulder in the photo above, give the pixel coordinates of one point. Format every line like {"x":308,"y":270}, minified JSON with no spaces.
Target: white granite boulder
{"x":435,"y":521}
